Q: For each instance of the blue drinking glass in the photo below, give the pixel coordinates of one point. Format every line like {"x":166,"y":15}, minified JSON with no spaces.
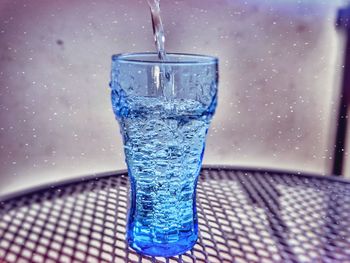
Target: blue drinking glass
{"x":164,"y":109}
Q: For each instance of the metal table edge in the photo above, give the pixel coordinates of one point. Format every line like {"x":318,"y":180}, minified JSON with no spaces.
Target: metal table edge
{"x":98,"y":176}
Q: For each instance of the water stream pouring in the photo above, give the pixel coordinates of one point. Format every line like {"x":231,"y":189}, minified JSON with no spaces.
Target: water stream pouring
{"x":162,"y":74}
{"x":158,"y":29}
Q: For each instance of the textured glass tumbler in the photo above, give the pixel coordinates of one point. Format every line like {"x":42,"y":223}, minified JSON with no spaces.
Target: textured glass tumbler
{"x":164,"y":109}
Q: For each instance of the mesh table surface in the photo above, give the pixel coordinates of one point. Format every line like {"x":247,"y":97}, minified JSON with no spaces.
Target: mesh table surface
{"x":244,"y":216}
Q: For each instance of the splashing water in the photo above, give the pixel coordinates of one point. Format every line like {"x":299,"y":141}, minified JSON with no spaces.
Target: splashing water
{"x":158,"y":30}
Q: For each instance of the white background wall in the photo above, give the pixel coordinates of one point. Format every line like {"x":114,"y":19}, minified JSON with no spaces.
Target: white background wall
{"x":280,"y":66}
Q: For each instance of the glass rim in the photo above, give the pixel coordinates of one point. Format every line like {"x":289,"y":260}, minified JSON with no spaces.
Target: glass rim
{"x":178,"y":58}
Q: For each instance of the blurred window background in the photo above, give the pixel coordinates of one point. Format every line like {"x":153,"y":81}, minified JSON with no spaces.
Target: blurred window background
{"x":281,"y":68}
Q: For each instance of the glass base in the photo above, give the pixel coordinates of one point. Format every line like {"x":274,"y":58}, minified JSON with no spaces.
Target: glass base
{"x":163,"y":250}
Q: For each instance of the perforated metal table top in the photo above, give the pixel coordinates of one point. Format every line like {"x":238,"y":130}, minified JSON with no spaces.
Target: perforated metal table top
{"x":244,"y":216}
